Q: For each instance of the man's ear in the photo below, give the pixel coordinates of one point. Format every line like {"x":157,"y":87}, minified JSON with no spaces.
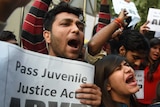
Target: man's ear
{"x":47,"y":36}
{"x":122,"y":51}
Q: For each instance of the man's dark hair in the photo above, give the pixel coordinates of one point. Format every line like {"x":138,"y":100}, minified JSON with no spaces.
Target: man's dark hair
{"x":61,"y":7}
{"x":134,"y":41}
{"x":7,"y":35}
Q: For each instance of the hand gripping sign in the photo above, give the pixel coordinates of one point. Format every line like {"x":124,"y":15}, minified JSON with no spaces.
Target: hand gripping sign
{"x":30,"y":79}
{"x":130,"y":7}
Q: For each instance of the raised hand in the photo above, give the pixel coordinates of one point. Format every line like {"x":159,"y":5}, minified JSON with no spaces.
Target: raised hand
{"x":122,"y":16}
{"x":144,"y":28}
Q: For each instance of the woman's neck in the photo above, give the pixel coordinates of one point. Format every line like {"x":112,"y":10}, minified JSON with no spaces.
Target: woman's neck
{"x":122,"y":99}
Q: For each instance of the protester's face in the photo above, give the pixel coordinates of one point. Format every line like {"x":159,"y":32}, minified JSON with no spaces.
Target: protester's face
{"x":122,"y":82}
{"x":154,"y":52}
{"x":134,"y":58}
{"x":67,"y":36}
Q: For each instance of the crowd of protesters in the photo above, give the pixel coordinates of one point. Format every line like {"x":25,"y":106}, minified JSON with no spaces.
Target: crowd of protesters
{"x":116,"y":50}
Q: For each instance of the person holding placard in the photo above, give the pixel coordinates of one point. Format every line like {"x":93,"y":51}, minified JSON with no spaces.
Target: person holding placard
{"x":100,"y":39}
{"x":72,"y":41}
{"x":100,"y":45}
{"x":64,"y":34}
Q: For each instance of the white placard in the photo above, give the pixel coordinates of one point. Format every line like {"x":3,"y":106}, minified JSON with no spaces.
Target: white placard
{"x":118,"y":5}
{"x":154,"y":19}
{"x":140,"y":80}
{"x":30,"y":79}
{"x":157,"y":35}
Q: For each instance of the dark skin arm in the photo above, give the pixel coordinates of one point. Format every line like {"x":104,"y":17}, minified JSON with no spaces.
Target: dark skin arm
{"x":100,"y":38}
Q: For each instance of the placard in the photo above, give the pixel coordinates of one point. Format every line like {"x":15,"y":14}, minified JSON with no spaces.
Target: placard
{"x":154,"y":19}
{"x":30,"y":79}
{"x":140,"y":80}
{"x":130,"y":7}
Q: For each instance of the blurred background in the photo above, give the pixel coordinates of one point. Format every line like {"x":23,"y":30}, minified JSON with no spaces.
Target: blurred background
{"x":90,"y":7}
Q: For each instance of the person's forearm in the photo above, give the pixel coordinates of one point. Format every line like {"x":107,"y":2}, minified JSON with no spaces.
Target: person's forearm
{"x":104,"y":19}
{"x":98,"y":40}
{"x":102,"y":36}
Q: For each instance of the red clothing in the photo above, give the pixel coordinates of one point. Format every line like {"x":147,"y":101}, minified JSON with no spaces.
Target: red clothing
{"x":150,"y":87}
{"x":104,"y":20}
{"x":104,"y":17}
{"x":32,"y":30}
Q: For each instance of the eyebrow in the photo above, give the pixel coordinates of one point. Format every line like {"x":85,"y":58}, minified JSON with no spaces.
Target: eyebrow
{"x":77,"y":22}
{"x":70,"y":20}
{"x":67,"y":19}
{"x":81,"y":23}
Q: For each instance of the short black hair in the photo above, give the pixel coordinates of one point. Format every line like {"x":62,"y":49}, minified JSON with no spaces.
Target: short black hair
{"x":61,"y":7}
{"x":7,"y":35}
{"x":133,"y":40}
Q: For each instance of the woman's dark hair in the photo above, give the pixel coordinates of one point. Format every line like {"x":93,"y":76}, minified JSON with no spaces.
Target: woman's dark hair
{"x":152,"y":67}
{"x":103,"y":69}
{"x":61,"y":7}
